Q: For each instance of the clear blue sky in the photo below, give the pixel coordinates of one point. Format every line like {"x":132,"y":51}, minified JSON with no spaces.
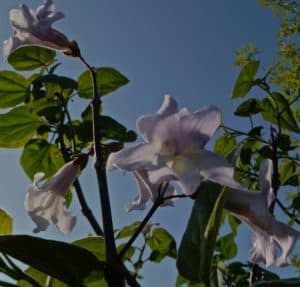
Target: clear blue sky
{"x":185,"y":48}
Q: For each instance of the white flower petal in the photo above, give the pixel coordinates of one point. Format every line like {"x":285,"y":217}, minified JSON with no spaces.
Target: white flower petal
{"x":145,"y":124}
{"x":263,"y":250}
{"x":201,"y":125}
{"x":217,"y":169}
{"x":62,"y":218}
{"x":141,"y":156}
{"x":144,"y":195}
{"x":265,"y":180}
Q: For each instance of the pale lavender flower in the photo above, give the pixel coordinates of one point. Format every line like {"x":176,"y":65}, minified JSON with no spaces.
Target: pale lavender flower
{"x":270,"y":235}
{"x":173,"y":150}
{"x":46,"y":204}
{"x":34,"y":28}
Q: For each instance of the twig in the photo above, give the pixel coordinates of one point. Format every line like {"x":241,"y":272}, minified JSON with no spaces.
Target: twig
{"x":285,"y":210}
{"x":158,"y":201}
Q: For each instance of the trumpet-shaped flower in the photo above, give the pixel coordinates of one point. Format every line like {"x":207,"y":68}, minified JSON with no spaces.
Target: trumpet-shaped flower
{"x":34,"y":28}
{"x":173,"y":150}
{"x":269,"y":234}
{"x":46,"y":203}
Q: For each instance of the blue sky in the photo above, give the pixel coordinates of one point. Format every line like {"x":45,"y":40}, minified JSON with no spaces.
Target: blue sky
{"x":184,"y":48}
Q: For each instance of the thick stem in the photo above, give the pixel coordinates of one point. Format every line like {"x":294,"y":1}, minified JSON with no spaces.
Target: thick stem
{"x":114,"y":271}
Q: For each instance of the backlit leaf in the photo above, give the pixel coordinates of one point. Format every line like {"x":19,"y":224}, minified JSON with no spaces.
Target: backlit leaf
{"x":108,"y":80}
{"x":13,"y":89}
{"x":18,"y":126}
{"x":28,"y":58}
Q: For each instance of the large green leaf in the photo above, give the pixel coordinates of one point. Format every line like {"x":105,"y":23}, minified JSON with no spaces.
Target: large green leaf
{"x":276,"y":109}
{"x":18,"y":126}
{"x":108,"y":80}
{"x":28,"y":58}
{"x":162,"y":244}
{"x":41,"y":278}
{"x":39,"y":155}
{"x":6,"y":223}
{"x":198,"y":241}
{"x":245,"y":80}
{"x":68,"y":263}
{"x":13,"y":89}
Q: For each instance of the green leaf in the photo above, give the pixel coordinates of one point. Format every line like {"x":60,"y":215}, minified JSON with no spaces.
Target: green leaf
{"x":162,"y":244}
{"x":94,"y":244}
{"x":128,"y":230}
{"x":245,"y":80}
{"x":28,"y":58}
{"x":40,"y":278}
{"x":287,"y":170}
{"x":181,"y":281}
{"x":128,"y":254}
{"x":110,"y":129}
{"x":58,"y":85}
{"x":18,"y":126}
{"x":276,"y":109}
{"x":225,"y":144}
{"x":38,"y":155}
{"x":198,"y":241}
{"x":71,"y":264}
{"x":13,"y":89}
{"x":226,"y":246}
{"x":248,"y":108}
{"x":293,"y":282}
{"x":108,"y":80}
{"x":6,"y":223}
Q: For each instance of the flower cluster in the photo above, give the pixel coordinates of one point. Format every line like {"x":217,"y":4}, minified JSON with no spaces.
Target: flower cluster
{"x":173,"y":150}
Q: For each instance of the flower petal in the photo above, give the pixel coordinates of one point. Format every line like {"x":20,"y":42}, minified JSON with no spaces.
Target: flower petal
{"x":145,"y":124}
{"x":217,"y":169}
{"x":144,"y":195}
{"x":201,"y":125}
{"x":63,"y":179}
{"x":22,"y":19}
{"x":265,"y":180}
{"x":263,"y":250}
{"x":62,"y":218}
{"x":141,"y":156}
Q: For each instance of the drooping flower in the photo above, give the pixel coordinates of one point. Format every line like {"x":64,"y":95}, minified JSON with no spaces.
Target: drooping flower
{"x":46,"y":203}
{"x":34,"y":28}
{"x":173,"y":150}
{"x":269,"y":234}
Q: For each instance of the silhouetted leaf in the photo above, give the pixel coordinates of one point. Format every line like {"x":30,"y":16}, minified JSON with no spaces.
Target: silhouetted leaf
{"x":245,"y":80}
{"x":71,"y":264}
